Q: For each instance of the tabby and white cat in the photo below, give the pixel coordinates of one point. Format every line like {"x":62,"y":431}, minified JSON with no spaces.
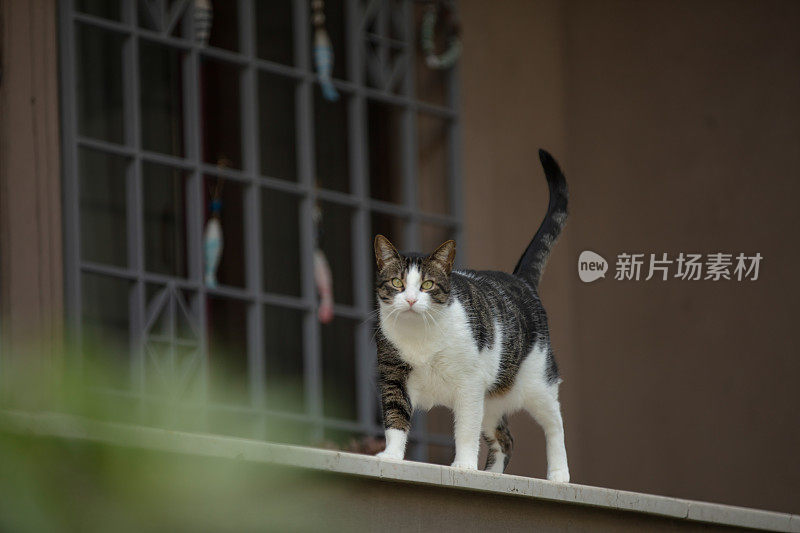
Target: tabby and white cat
{"x":474,"y":341}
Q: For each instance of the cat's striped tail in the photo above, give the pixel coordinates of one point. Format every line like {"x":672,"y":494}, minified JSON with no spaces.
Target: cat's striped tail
{"x":531,"y":264}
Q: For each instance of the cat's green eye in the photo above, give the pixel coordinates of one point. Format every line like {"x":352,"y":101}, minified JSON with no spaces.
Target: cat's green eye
{"x":426,"y":286}
{"x":396,"y":282}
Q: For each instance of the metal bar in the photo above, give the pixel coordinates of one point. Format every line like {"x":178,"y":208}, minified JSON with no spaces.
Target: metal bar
{"x":409,"y":172}
{"x":153,"y":310}
{"x":172,"y":315}
{"x":219,"y":291}
{"x":366,"y":392}
{"x":385,"y":41}
{"x":229,"y":292}
{"x":435,"y":110}
{"x":401,"y":211}
{"x":249,"y":177}
{"x":188,"y":343}
{"x":454,"y":158}
{"x":256,"y":357}
{"x":346,"y":311}
{"x":312,"y":349}
{"x":408,"y":140}
{"x":185,"y":310}
{"x":134,"y":201}
{"x":195,"y":194}
{"x":370,"y":10}
{"x":105,"y":146}
{"x":375,"y":68}
{"x":155,"y":18}
{"x":176,"y":12}
{"x":382,"y":25}
{"x":395,"y":75}
{"x":70,"y":182}
{"x":287,"y":301}
{"x":99,"y":22}
{"x":339,"y":197}
{"x":443,"y":220}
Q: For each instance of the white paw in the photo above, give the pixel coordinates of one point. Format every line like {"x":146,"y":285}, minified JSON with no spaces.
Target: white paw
{"x":559,"y":476}
{"x":389,"y":455}
{"x":465,"y":465}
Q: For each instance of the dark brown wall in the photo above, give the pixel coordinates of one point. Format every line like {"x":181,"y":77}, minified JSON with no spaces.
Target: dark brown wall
{"x":30,"y":186}
{"x":514,"y":95}
{"x":678,"y":125}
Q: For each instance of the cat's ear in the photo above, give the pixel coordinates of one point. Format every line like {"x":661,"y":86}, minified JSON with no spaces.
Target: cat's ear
{"x":384,"y":252}
{"x":445,"y":255}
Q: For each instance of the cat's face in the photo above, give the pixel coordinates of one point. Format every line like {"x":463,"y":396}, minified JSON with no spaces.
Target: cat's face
{"x":413,"y":283}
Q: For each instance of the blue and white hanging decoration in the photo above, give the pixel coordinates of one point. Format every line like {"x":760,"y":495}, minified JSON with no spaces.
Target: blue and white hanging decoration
{"x":445,"y":10}
{"x":203,"y":18}
{"x":323,"y":52}
{"x":212,"y":239}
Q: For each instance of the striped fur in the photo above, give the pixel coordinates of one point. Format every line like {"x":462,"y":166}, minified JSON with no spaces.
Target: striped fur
{"x":392,"y":376}
{"x":499,"y":444}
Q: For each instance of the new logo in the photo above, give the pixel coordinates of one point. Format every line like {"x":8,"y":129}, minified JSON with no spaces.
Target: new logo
{"x":591,"y":266}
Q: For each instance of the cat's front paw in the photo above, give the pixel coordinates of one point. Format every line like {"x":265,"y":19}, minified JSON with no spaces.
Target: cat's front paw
{"x":389,"y":455}
{"x":465,"y":465}
{"x":559,"y":476}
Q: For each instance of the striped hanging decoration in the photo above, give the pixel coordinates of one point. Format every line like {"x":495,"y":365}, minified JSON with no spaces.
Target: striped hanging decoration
{"x":203,"y":19}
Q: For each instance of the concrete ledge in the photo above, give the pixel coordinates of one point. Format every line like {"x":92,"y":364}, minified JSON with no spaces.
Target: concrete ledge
{"x":64,"y":426}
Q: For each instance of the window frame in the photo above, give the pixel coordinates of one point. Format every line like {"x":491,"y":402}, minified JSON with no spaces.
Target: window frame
{"x":357,"y":92}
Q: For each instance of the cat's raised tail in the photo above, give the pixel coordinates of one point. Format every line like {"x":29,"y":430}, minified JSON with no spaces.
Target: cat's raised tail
{"x":531,"y":265}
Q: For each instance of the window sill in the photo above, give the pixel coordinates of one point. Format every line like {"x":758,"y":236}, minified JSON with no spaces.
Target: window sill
{"x":68,"y":427}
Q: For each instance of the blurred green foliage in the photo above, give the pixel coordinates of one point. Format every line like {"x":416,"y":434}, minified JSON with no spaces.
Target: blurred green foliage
{"x":55,"y":484}
{"x":50,"y":484}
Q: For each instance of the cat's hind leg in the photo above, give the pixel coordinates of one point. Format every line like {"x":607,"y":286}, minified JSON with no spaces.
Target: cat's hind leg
{"x":543,"y":405}
{"x":499,"y":441}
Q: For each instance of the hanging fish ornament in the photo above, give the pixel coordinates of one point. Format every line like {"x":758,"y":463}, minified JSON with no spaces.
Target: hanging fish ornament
{"x":212,"y":244}
{"x":203,"y":18}
{"x":212,"y":240}
{"x":323,"y":52}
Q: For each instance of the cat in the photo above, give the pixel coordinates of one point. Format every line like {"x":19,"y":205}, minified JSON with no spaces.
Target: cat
{"x":474,"y":341}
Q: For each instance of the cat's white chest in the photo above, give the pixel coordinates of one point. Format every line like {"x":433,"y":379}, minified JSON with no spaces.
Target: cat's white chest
{"x":438,"y":381}
{"x":445,"y":361}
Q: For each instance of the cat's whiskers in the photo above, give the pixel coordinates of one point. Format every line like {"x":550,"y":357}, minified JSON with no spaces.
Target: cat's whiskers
{"x":372,"y":315}
{"x":396,"y":316}
{"x":435,"y":322}
{"x":425,"y":321}
{"x":392,"y":311}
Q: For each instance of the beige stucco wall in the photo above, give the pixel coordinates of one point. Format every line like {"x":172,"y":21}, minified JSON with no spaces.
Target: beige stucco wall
{"x":678,"y":126}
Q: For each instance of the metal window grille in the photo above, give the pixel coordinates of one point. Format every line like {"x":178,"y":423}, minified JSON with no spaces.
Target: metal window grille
{"x":165,"y":316}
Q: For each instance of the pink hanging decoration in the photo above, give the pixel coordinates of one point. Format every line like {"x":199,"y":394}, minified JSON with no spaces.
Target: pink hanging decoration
{"x":324,"y":280}
{"x":322,"y":272}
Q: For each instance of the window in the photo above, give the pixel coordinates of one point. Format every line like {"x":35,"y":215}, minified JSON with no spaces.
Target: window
{"x":154,"y":122}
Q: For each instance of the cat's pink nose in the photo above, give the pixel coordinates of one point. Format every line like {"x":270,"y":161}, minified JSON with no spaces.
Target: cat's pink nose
{"x":411,"y":301}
